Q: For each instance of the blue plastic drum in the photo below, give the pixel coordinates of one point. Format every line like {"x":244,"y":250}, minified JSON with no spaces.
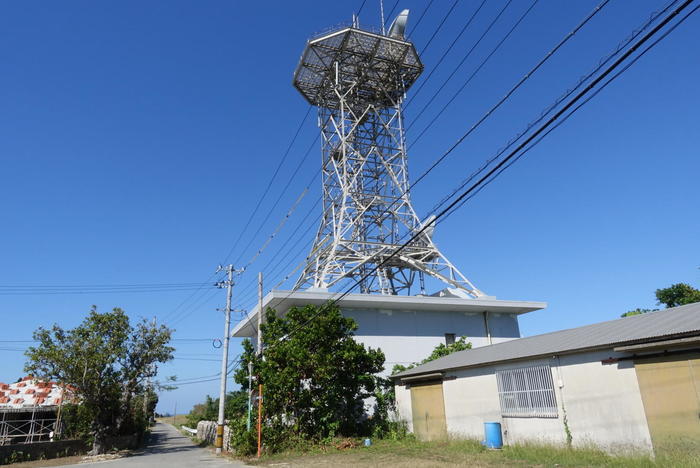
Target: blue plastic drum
{"x":492,"y":435}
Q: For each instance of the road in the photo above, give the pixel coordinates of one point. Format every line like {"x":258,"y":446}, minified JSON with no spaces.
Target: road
{"x":168,"y":448}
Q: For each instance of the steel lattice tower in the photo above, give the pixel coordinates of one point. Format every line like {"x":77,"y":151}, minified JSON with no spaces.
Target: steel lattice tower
{"x":358,"y":80}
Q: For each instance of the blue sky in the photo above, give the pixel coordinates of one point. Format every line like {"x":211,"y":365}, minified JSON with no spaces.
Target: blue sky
{"x":136,"y":137}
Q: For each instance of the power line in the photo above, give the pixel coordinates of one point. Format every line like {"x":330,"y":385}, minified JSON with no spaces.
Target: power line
{"x":204,"y":299}
{"x":425,"y":10}
{"x":498,"y":168}
{"x":535,"y":134}
{"x":601,"y":63}
{"x":474,"y":73}
{"x":461,"y":62}
{"x":396,"y":3}
{"x":584,"y":102}
{"x":437,"y":30}
{"x":250,"y":288}
{"x":97,"y":286}
{"x":362,"y":5}
{"x":444,"y":54}
{"x":178,"y":358}
{"x":533,"y":70}
{"x":93,"y":291}
{"x":292,"y":178}
{"x":199,"y":293}
{"x":521,"y":81}
{"x":269,"y":185}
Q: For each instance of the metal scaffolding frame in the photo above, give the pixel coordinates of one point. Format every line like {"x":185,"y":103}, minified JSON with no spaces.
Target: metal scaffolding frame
{"x":358,"y":80}
{"x":27,"y":425}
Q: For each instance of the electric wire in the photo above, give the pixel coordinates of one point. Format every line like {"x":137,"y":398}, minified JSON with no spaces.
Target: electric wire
{"x":269,"y":185}
{"x":461,"y":62}
{"x":208,"y":298}
{"x":442,"y":22}
{"x":93,"y":286}
{"x":415,"y":92}
{"x":512,"y":90}
{"x":500,"y":43}
{"x":439,"y":27}
{"x":528,"y":148}
{"x":198,"y":293}
{"x":535,"y":136}
{"x":420,"y":18}
{"x":601,"y":63}
{"x":291,"y":179}
{"x":362,"y":5}
{"x":96,"y":291}
{"x":275,"y":257}
{"x":396,"y":3}
{"x":584,"y":102}
{"x":470,"y":77}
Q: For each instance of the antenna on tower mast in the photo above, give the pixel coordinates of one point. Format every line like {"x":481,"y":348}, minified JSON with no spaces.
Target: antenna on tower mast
{"x":358,"y":80}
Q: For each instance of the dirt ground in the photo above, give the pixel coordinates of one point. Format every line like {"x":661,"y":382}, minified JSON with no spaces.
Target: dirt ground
{"x":52,"y":462}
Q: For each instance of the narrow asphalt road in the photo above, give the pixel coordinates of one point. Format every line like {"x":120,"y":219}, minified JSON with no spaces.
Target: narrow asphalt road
{"x":168,"y":448}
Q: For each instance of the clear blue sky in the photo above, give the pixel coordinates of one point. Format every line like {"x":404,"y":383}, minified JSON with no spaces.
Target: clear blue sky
{"x":136,"y":137}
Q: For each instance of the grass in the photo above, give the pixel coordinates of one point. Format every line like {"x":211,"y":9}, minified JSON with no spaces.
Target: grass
{"x":177,"y":420}
{"x":464,"y":453}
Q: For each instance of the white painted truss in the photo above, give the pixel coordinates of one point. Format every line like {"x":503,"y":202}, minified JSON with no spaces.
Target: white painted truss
{"x":358,"y":79}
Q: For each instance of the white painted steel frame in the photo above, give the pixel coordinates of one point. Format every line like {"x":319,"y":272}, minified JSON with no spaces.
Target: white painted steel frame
{"x":358,"y":81}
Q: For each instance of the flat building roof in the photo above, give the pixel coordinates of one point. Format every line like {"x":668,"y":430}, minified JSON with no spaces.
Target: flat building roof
{"x":282,"y":301}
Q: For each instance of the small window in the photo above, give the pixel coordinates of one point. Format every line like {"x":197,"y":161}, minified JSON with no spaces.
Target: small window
{"x":527,"y":392}
{"x":449,"y":338}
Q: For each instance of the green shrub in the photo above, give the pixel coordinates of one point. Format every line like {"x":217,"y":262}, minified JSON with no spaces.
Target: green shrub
{"x":243,"y":441}
{"x":76,"y":422}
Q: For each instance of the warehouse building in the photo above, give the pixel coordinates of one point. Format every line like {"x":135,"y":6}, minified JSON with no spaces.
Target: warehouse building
{"x":631,"y":384}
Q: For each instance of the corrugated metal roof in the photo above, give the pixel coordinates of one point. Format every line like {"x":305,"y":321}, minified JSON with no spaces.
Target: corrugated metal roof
{"x":647,"y":327}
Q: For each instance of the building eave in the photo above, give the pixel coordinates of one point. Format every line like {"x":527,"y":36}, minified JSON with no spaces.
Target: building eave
{"x":282,"y":301}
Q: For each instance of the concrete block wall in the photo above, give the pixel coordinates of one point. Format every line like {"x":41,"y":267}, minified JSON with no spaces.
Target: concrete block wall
{"x":206,"y":431}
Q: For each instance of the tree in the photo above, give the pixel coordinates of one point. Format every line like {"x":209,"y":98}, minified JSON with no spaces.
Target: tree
{"x":316,"y":377}
{"x":673,"y":296}
{"x":439,"y":351}
{"x":677,"y":295}
{"x":107,"y":361}
{"x":637,"y":311}
{"x":236,"y":405}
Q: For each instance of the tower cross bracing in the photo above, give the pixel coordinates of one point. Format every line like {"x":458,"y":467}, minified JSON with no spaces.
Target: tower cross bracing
{"x":358,"y":80}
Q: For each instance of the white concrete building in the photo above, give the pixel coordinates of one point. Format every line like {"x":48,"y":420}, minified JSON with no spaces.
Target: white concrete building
{"x":407,"y":328}
{"x":631,"y":384}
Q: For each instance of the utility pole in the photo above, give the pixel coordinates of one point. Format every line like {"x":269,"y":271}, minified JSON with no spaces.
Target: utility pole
{"x":219,"y":443}
{"x":250,"y":393}
{"x":148,"y":388}
{"x":260,"y":311}
{"x":260,"y":350}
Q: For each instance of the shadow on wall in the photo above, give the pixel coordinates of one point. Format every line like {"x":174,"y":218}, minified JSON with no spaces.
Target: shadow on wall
{"x":381,"y":322}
